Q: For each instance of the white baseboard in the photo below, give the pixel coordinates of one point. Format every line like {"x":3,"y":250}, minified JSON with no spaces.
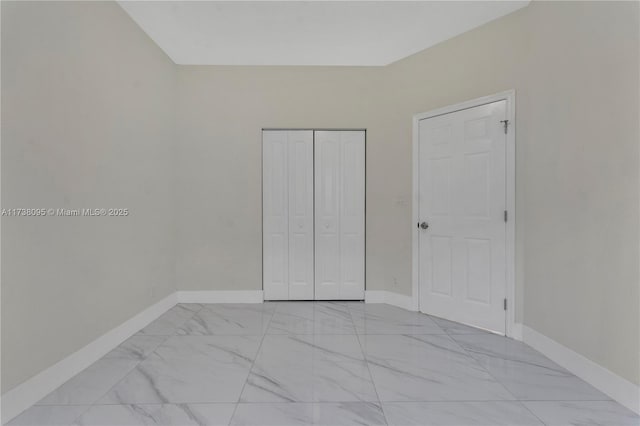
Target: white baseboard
{"x":616,"y":387}
{"x":34,"y":389}
{"x":389,"y":297}
{"x":221,"y":296}
{"x":374,"y":296}
{"x":516,"y":331}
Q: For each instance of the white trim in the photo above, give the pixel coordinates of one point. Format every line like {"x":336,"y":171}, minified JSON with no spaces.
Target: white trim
{"x":220,"y":296}
{"x":374,"y":296}
{"x":516,"y":331}
{"x":510,"y":97}
{"x":618,"y":388}
{"x":390,"y":298}
{"x":34,"y":389}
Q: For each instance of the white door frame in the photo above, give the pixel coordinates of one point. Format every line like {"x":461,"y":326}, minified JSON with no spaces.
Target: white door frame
{"x":510,"y":97}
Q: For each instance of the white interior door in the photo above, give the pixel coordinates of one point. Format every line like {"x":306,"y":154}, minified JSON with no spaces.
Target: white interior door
{"x":340,"y":220}
{"x":287,"y":210}
{"x":463,"y":200}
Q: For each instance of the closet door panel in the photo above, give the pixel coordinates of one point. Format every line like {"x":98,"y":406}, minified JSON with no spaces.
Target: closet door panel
{"x":339,"y":186}
{"x":327,"y":185}
{"x":352,"y":215}
{"x":301,"y":248}
{"x":275,"y":236}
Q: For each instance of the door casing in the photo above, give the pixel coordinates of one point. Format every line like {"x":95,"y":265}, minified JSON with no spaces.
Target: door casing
{"x":510,"y":97}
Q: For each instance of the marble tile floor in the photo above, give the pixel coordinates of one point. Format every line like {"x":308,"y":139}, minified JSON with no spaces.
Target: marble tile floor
{"x":321,"y":363}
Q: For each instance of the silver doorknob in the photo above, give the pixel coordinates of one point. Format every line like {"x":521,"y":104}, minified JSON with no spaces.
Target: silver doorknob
{"x":424,"y":225}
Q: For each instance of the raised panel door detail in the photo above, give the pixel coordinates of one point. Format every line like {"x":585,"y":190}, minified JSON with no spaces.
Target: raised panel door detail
{"x":288,"y":215}
{"x":478,"y":270}
{"x":352,"y":215}
{"x":301,"y":258}
{"x":441,"y":135}
{"x":275,"y":220}
{"x":441,"y":265}
{"x":476,"y":190}
{"x":476,"y":128}
{"x":339,"y":169}
{"x":462,"y":255}
{"x":439,"y":169}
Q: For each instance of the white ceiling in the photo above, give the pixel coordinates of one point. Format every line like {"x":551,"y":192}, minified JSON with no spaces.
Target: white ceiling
{"x":306,"y":33}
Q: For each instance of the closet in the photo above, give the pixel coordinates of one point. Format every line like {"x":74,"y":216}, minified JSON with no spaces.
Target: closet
{"x":313,"y":211}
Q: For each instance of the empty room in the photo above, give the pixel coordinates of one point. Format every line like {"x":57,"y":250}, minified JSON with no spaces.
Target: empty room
{"x":282,"y":213}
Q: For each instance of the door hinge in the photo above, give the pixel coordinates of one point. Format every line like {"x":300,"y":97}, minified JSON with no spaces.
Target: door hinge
{"x":506,"y":215}
{"x":505,"y":123}
{"x":505,"y":304}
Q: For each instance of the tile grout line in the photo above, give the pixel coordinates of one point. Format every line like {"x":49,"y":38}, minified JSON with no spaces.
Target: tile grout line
{"x":366,"y":361}
{"x":472,"y":359}
{"x":93,"y":404}
{"x":75,"y":419}
{"x":494,"y":378}
{"x":166,"y":337}
{"x":264,"y":334}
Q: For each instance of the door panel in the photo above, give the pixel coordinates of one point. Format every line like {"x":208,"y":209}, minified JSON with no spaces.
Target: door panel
{"x":339,"y":169}
{"x":287,"y":215}
{"x":441,"y":249}
{"x":327,"y":253}
{"x":275,"y":216}
{"x":478,"y":270}
{"x":462,"y":181}
{"x":300,"y":215}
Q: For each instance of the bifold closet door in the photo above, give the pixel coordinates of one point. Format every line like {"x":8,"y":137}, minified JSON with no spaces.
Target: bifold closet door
{"x":339,"y":209}
{"x":287,"y":167}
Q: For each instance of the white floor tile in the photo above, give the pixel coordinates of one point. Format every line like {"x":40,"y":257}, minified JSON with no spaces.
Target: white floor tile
{"x":90,"y":384}
{"x":587,"y":413}
{"x":427,"y":368}
{"x":282,"y":414}
{"x":229,"y":319}
{"x":325,"y":414}
{"x":321,"y":363}
{"x":137,"y":347}
{"x":348,"y":413}
{"x":189,"y":369}
{"x":386,"y":319}
{"x":161,"y":415}
{"x":525,"y":372}
{"x":311,"y":318}
{"x":486,"y":413}
{"x":167,"y":324}
{"x":49,"y":415}
{"x":309,"y":369}
{"x":451,"y":327}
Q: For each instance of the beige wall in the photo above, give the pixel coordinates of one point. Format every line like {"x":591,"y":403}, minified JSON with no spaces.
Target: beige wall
{"x":87,"y":111}
{"x":581,"y":181}
{"x":577,"y":163}
{"x":221,"y":111}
